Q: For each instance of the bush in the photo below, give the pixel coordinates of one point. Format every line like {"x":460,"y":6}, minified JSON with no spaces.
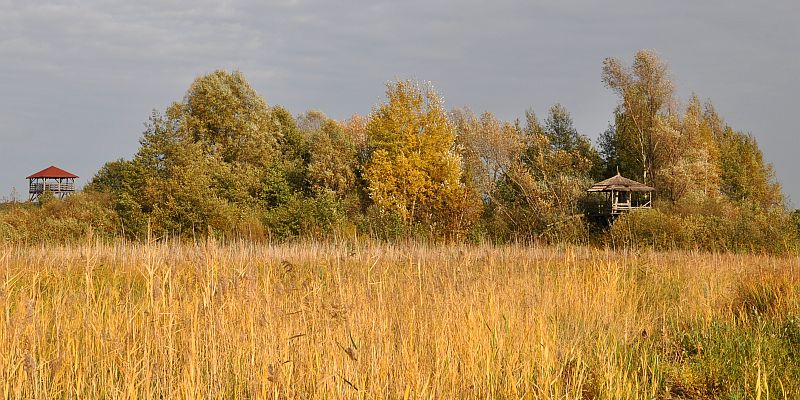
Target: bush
{"x":78,"y":217}
{"x":309,"y":217}
{"x":741,"y":230}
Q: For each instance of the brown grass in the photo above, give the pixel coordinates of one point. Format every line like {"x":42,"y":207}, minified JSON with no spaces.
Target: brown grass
{"x":314,"y":320}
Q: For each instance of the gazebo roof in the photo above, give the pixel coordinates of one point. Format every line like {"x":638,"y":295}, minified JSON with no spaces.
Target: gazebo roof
{"x":52,"y":172}
{"x":620,"y":183}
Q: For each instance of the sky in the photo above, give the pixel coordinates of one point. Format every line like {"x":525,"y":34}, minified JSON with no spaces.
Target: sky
{"x":78,"y":79}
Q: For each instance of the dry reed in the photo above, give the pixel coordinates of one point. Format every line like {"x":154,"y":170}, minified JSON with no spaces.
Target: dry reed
{"x":321,"y":320}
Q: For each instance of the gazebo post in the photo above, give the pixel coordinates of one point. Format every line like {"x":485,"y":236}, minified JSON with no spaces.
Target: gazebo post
{"x":614,"y":199}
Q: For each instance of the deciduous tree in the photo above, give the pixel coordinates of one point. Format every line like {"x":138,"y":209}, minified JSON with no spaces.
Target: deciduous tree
{"x":645,"y":90}
{"x":414,"y":170}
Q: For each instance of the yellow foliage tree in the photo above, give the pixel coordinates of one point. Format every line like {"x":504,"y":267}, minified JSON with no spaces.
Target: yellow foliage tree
{"x":414,"y":170}
{"x":690,"y":156}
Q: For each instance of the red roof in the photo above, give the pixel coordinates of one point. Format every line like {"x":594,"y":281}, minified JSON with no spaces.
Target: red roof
{"x":52,"y":172}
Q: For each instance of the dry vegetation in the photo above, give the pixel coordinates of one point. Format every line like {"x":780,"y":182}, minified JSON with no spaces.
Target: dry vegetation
{"x":315,"y":320}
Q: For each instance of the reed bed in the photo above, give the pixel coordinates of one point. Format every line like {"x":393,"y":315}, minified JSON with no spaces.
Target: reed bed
{"x":374,"y":321}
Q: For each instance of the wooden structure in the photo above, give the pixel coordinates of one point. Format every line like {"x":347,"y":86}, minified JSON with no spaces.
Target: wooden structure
{"x":51,"y":179}
{"x":621,"y":195}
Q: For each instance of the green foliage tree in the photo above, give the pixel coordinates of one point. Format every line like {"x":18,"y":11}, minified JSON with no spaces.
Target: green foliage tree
{"x":543,"y":188}
{"x":745,"y":176}
{"x":295,"y":150}
{"x":332,"y":156}
{"x":200,"y":164}
{"x":689,"y":157}
{"x":184,"y":188}
{"x":223,"y":113}
{"x":123,"y":179}
{"x":572,"y":151}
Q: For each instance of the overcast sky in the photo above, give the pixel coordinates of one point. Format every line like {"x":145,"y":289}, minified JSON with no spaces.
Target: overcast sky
{"x":79,"y":78}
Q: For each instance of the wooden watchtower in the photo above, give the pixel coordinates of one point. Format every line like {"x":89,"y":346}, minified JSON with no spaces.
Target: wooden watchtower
{"x":51,"y":179}
{"x":621,"y":195}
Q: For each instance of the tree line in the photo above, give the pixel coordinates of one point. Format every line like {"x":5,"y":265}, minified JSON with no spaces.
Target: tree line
{"x":223,"y":161}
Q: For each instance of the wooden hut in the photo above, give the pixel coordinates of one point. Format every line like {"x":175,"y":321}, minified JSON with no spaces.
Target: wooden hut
{"x":51,"y":179}
{"x":622,"y":195}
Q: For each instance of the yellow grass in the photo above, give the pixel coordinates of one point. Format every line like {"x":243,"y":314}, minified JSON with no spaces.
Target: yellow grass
{"x":314,"y":320}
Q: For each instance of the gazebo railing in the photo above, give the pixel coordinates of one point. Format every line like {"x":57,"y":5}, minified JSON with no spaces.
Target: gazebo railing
{"x":628,"y":206}
{"x":55,"y":187}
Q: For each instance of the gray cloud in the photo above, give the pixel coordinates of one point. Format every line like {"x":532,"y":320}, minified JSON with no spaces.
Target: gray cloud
{"x":79,"y":78}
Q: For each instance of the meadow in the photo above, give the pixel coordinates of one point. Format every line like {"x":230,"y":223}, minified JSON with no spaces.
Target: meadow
{"x":375,"y":320}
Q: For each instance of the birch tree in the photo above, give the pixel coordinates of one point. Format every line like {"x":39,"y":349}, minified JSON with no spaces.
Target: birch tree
{"x":644,"y":90}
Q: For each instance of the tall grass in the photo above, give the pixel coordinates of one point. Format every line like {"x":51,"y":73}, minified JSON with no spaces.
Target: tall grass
{"x":317,"y":320}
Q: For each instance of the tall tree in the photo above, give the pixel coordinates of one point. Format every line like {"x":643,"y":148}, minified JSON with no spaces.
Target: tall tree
{"x":645,"y":90}
{"x":332,"y":157}
{"x":559,"y":129}
{"x":204,"y":161}
{"x":414,"y":170}
{"x":746,"y":177}
{"x":223,"y":112}
{"x":572,"y":151}
{"x":488,"y":147}
{"x":542,"y":185}
{"x":689,"y":165}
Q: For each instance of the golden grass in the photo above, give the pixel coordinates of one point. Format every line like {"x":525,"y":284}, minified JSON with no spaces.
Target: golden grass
{"x":315,"y":320}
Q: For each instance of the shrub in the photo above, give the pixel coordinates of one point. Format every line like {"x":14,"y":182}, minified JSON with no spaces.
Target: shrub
{"x":80,"y":216}
{"x":309,"y":217}
{"x":768,"y":231}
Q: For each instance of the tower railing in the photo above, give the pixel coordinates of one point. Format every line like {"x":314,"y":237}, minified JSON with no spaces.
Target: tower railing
{"x":56,"y":187}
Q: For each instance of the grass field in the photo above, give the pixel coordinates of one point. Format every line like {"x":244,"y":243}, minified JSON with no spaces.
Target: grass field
{"x":314,"y":320}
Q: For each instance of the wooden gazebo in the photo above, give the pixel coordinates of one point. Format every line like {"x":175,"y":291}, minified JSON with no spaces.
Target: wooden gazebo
{"x":622,"y":195}
{"x":51,"y":179}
